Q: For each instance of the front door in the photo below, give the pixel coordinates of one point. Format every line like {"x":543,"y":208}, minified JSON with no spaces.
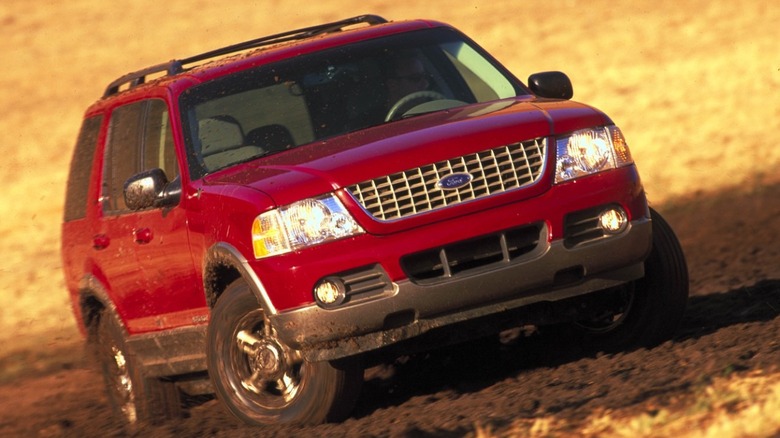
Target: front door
{"x":145,"y":254}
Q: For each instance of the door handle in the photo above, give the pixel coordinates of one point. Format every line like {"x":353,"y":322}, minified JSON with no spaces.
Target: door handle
{"x":100,"y":241}
{"x":143,"y":236}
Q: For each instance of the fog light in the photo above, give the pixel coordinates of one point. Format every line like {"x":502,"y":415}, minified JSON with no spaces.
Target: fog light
{"x":613,"y":220}
{"x":330,"y":292}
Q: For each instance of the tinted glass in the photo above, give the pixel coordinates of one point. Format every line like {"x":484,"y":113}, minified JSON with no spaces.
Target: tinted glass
{"x":123,"y":154}
{"x":159,"y":149}
{"x":81,"y":169}
{"x":139,"y":138}
{"x":278,"y":106}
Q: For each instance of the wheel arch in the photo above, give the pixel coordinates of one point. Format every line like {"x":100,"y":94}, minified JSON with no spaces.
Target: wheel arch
{"x":94,"y":301}
{"x":223,"y":265}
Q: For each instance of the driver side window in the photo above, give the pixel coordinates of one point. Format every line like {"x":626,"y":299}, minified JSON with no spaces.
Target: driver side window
{"x":159,"y":150}
{"x":139,"y":139}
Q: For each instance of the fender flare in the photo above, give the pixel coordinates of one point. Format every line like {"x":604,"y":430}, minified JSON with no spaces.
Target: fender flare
{"x":91,"y":287}
{"x":223,"y":255}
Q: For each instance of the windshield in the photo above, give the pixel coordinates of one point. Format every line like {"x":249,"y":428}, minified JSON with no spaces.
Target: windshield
{"x":279,"y":106}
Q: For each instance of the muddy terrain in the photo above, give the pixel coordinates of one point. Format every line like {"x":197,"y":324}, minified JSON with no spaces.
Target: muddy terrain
{"x":731,"y":329}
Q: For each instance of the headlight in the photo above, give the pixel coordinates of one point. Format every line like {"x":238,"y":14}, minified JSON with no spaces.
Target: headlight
{"x":301,"y":224}
{"x":589,"y":151}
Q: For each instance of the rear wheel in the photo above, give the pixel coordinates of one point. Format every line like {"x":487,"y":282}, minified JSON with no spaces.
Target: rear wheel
{"x":648,"y":311}
{"x":134,"y":398}
{"x":261,"y":380}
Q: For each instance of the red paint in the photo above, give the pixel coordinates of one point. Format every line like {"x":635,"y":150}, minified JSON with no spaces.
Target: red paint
{"x":149,"y":263}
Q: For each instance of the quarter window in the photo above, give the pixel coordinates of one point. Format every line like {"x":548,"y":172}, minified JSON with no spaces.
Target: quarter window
{"x":81,"y":168}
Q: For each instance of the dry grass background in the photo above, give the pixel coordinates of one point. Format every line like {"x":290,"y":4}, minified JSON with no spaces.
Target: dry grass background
{"x":695,"y":86}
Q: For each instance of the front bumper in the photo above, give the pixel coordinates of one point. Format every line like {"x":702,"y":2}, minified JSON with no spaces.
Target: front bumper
{"x":557,"y":272}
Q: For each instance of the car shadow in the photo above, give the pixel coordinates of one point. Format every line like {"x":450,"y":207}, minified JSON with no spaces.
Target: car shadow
{"x":709,"y":313}
{"x":477,"y":365}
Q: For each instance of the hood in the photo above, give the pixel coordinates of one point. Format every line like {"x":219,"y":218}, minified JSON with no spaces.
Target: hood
{"x":324,"y":166}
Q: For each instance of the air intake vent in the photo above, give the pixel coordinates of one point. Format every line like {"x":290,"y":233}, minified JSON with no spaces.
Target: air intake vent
{"x":473,"y":254}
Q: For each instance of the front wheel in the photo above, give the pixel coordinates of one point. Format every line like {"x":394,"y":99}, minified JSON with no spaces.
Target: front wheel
{"x":651,"y":309}
{"x":260,"y":380}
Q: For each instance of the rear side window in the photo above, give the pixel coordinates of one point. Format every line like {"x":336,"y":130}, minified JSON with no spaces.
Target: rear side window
{"x":81,"y":169}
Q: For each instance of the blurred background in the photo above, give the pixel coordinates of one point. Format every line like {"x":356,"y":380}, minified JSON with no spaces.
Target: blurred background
{"x":694,"y":85}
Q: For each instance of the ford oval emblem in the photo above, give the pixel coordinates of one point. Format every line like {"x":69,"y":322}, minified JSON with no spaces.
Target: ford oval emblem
{"x":454,"y":181}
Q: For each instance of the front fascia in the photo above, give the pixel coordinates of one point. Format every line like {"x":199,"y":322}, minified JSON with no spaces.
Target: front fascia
{"x":416,"y":309}
{"x":291,"y":278}
{"x":322,"y":167}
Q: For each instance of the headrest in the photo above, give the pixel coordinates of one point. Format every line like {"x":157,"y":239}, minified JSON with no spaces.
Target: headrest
{"x":218,"y":134}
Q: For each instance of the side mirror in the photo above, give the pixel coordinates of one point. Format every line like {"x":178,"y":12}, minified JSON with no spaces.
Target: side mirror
{"x":149,"y":189}
{"x":551,"y":84}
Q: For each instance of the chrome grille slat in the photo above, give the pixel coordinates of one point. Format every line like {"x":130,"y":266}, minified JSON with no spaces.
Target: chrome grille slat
{"x":414,"y":191}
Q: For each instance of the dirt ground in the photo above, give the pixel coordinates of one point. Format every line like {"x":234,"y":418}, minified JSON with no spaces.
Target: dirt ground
{"x":730,"y":331}
{"x":695,"y":86}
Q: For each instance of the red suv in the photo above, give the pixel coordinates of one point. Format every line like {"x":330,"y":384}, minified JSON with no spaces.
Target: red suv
{"x":264,"y":220}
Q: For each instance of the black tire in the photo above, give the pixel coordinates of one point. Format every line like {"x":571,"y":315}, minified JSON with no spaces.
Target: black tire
{"x":134,"y":399}
{"x":652,"y":307}
{"x":262,"y":381}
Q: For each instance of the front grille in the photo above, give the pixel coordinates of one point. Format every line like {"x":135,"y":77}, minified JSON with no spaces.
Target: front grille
{"x":473,"y":254}
{"x":415,"y":191}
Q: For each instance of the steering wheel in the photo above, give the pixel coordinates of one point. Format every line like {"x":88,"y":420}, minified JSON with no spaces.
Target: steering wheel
{"x":410,"y":101}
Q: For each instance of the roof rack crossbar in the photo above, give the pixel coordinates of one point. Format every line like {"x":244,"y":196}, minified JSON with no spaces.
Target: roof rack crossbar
{"x":339,"y":25}
{"x":139,"y":77}
{"x":177,"y":66}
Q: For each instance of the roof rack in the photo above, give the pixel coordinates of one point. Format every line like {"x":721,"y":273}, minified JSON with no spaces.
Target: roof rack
{"x":176,"y":66}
